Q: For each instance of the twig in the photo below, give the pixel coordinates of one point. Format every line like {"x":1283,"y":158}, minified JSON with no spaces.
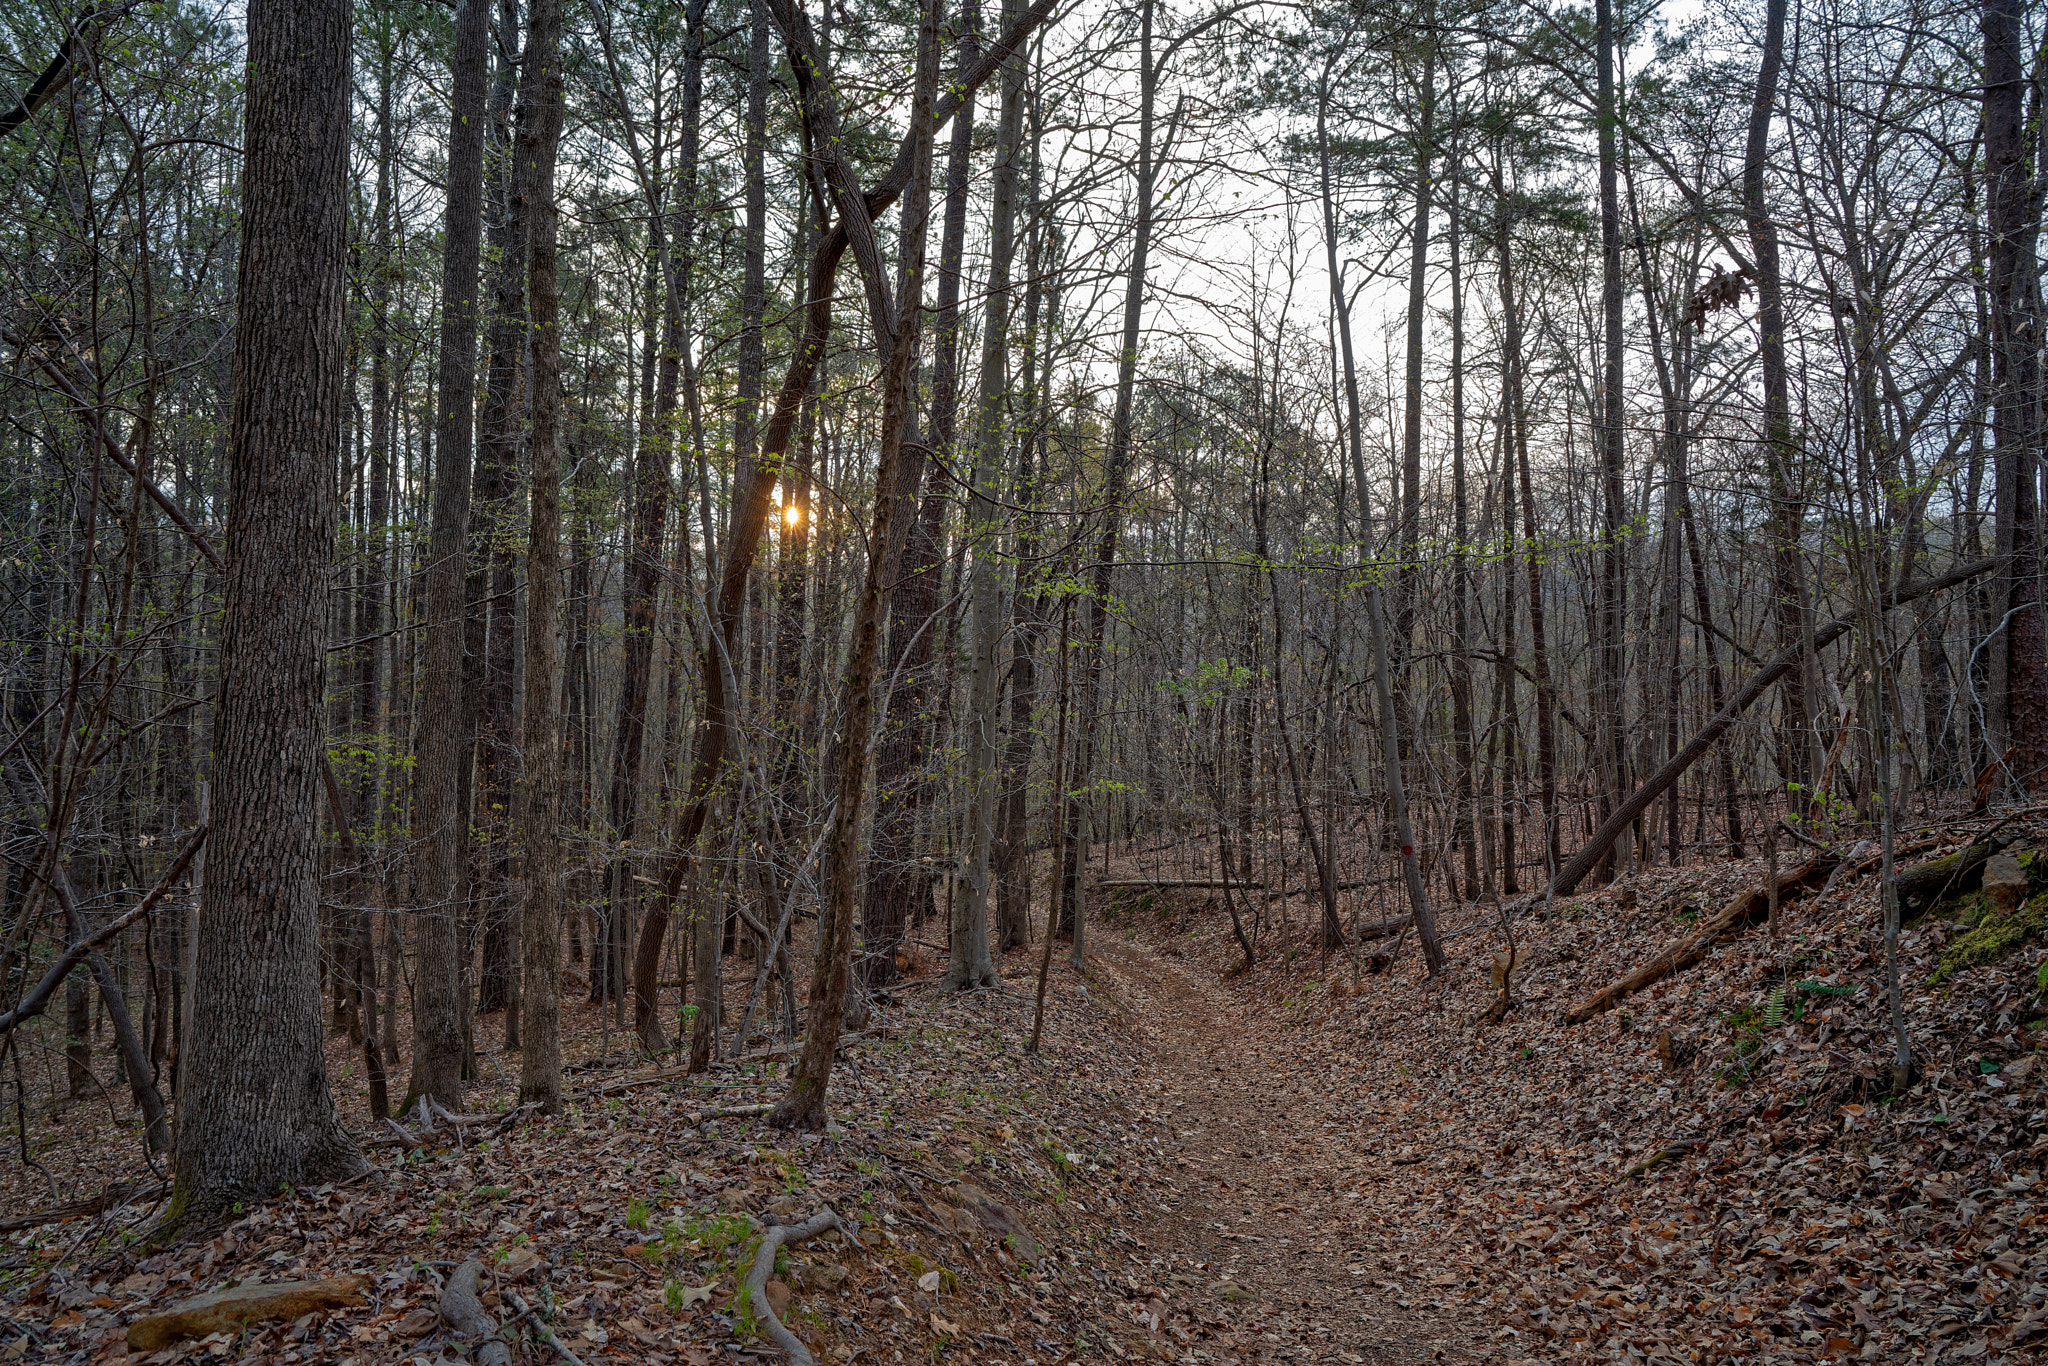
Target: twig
{"x":547,"y":1334}
{"x":1663,"y":1155}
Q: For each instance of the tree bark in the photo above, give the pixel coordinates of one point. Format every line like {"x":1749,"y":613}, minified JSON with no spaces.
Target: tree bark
{"x":257,"y":1112}
{"x":2012,"y":220}
{"x":496,"y":497}
{"x":439,"y":821}
{"x":970,"y":965}
{"x":538,"y":805}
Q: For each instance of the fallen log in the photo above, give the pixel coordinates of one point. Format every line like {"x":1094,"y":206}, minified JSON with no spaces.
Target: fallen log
{"x":1745,"y":906}
{"x":1780,"y":664}
{"x":233,"y":1310}
{"x":1926,"y":883}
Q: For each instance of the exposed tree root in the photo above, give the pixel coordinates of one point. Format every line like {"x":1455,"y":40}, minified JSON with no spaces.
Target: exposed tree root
{"x":755,"y":1290}
{"x":464,"y":1312}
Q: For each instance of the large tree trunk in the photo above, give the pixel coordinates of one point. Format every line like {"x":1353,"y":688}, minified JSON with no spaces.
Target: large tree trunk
{"x":970,"y":965}
{"x":257,"y":1111}
{"x":2013,"y":220}
{"x":538,"y":806}
{"x":1611,"y":699}
{"x":497,"y":475}
{"x":439,"y":821}
{"x":1798,"y":754}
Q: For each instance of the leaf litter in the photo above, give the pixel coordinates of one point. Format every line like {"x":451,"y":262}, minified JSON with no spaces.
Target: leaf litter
{"x":1212,"y":1165}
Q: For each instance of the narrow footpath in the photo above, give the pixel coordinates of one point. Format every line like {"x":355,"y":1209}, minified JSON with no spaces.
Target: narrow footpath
{"x":1253,"y":1181}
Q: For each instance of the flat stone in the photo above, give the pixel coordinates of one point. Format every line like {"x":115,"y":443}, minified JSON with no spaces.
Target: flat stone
{"x":227,"y":1311}
{"x":996,"y":1217}
{"x":2005,"y":881}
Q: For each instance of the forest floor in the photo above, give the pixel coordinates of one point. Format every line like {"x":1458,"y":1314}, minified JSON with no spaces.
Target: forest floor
{"x":1012,"y":1207}
{"x":1569,"y":1193}
{"x":1311,"y":1161}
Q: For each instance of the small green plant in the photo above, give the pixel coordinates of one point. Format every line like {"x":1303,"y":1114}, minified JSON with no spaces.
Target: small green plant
{"x":1747,"y":1025}
{"x":745,"y":1322}
{"x":1774,"y":1007}
{"x":637,"y":1214}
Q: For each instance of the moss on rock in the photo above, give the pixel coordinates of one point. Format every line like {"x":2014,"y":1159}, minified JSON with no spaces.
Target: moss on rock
{"x":1992,"y":935}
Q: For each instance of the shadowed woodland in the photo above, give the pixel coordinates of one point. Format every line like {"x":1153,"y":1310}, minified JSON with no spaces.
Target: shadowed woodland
{"x":554,"y":545}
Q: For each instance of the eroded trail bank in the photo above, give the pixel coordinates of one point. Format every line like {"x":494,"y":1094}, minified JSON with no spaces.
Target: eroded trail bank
{"x":1712,"y":1168}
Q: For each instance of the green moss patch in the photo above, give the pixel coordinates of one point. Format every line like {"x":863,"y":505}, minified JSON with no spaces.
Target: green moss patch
{"x":1992,"y":936}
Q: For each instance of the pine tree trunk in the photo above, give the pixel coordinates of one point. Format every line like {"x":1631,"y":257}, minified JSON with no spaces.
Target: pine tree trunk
{"x":1376,"y":612}
{"x":538,"y":806}
{"x":2012,"y":220}
{"x":1611,"y":699}
{"x":257,"y":1111}
{"x":440,"y":823}
{"x":970,"y":966}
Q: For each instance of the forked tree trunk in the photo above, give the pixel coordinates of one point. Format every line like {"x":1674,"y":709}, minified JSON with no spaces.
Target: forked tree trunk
{"x":257,"y":1111}
{"x":1375,"y":604}
{"x":803,"y":1105}
{"x":754,"y":498}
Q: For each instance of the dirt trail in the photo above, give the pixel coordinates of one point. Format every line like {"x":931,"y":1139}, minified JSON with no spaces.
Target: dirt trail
{"x":1253,"y":1161}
